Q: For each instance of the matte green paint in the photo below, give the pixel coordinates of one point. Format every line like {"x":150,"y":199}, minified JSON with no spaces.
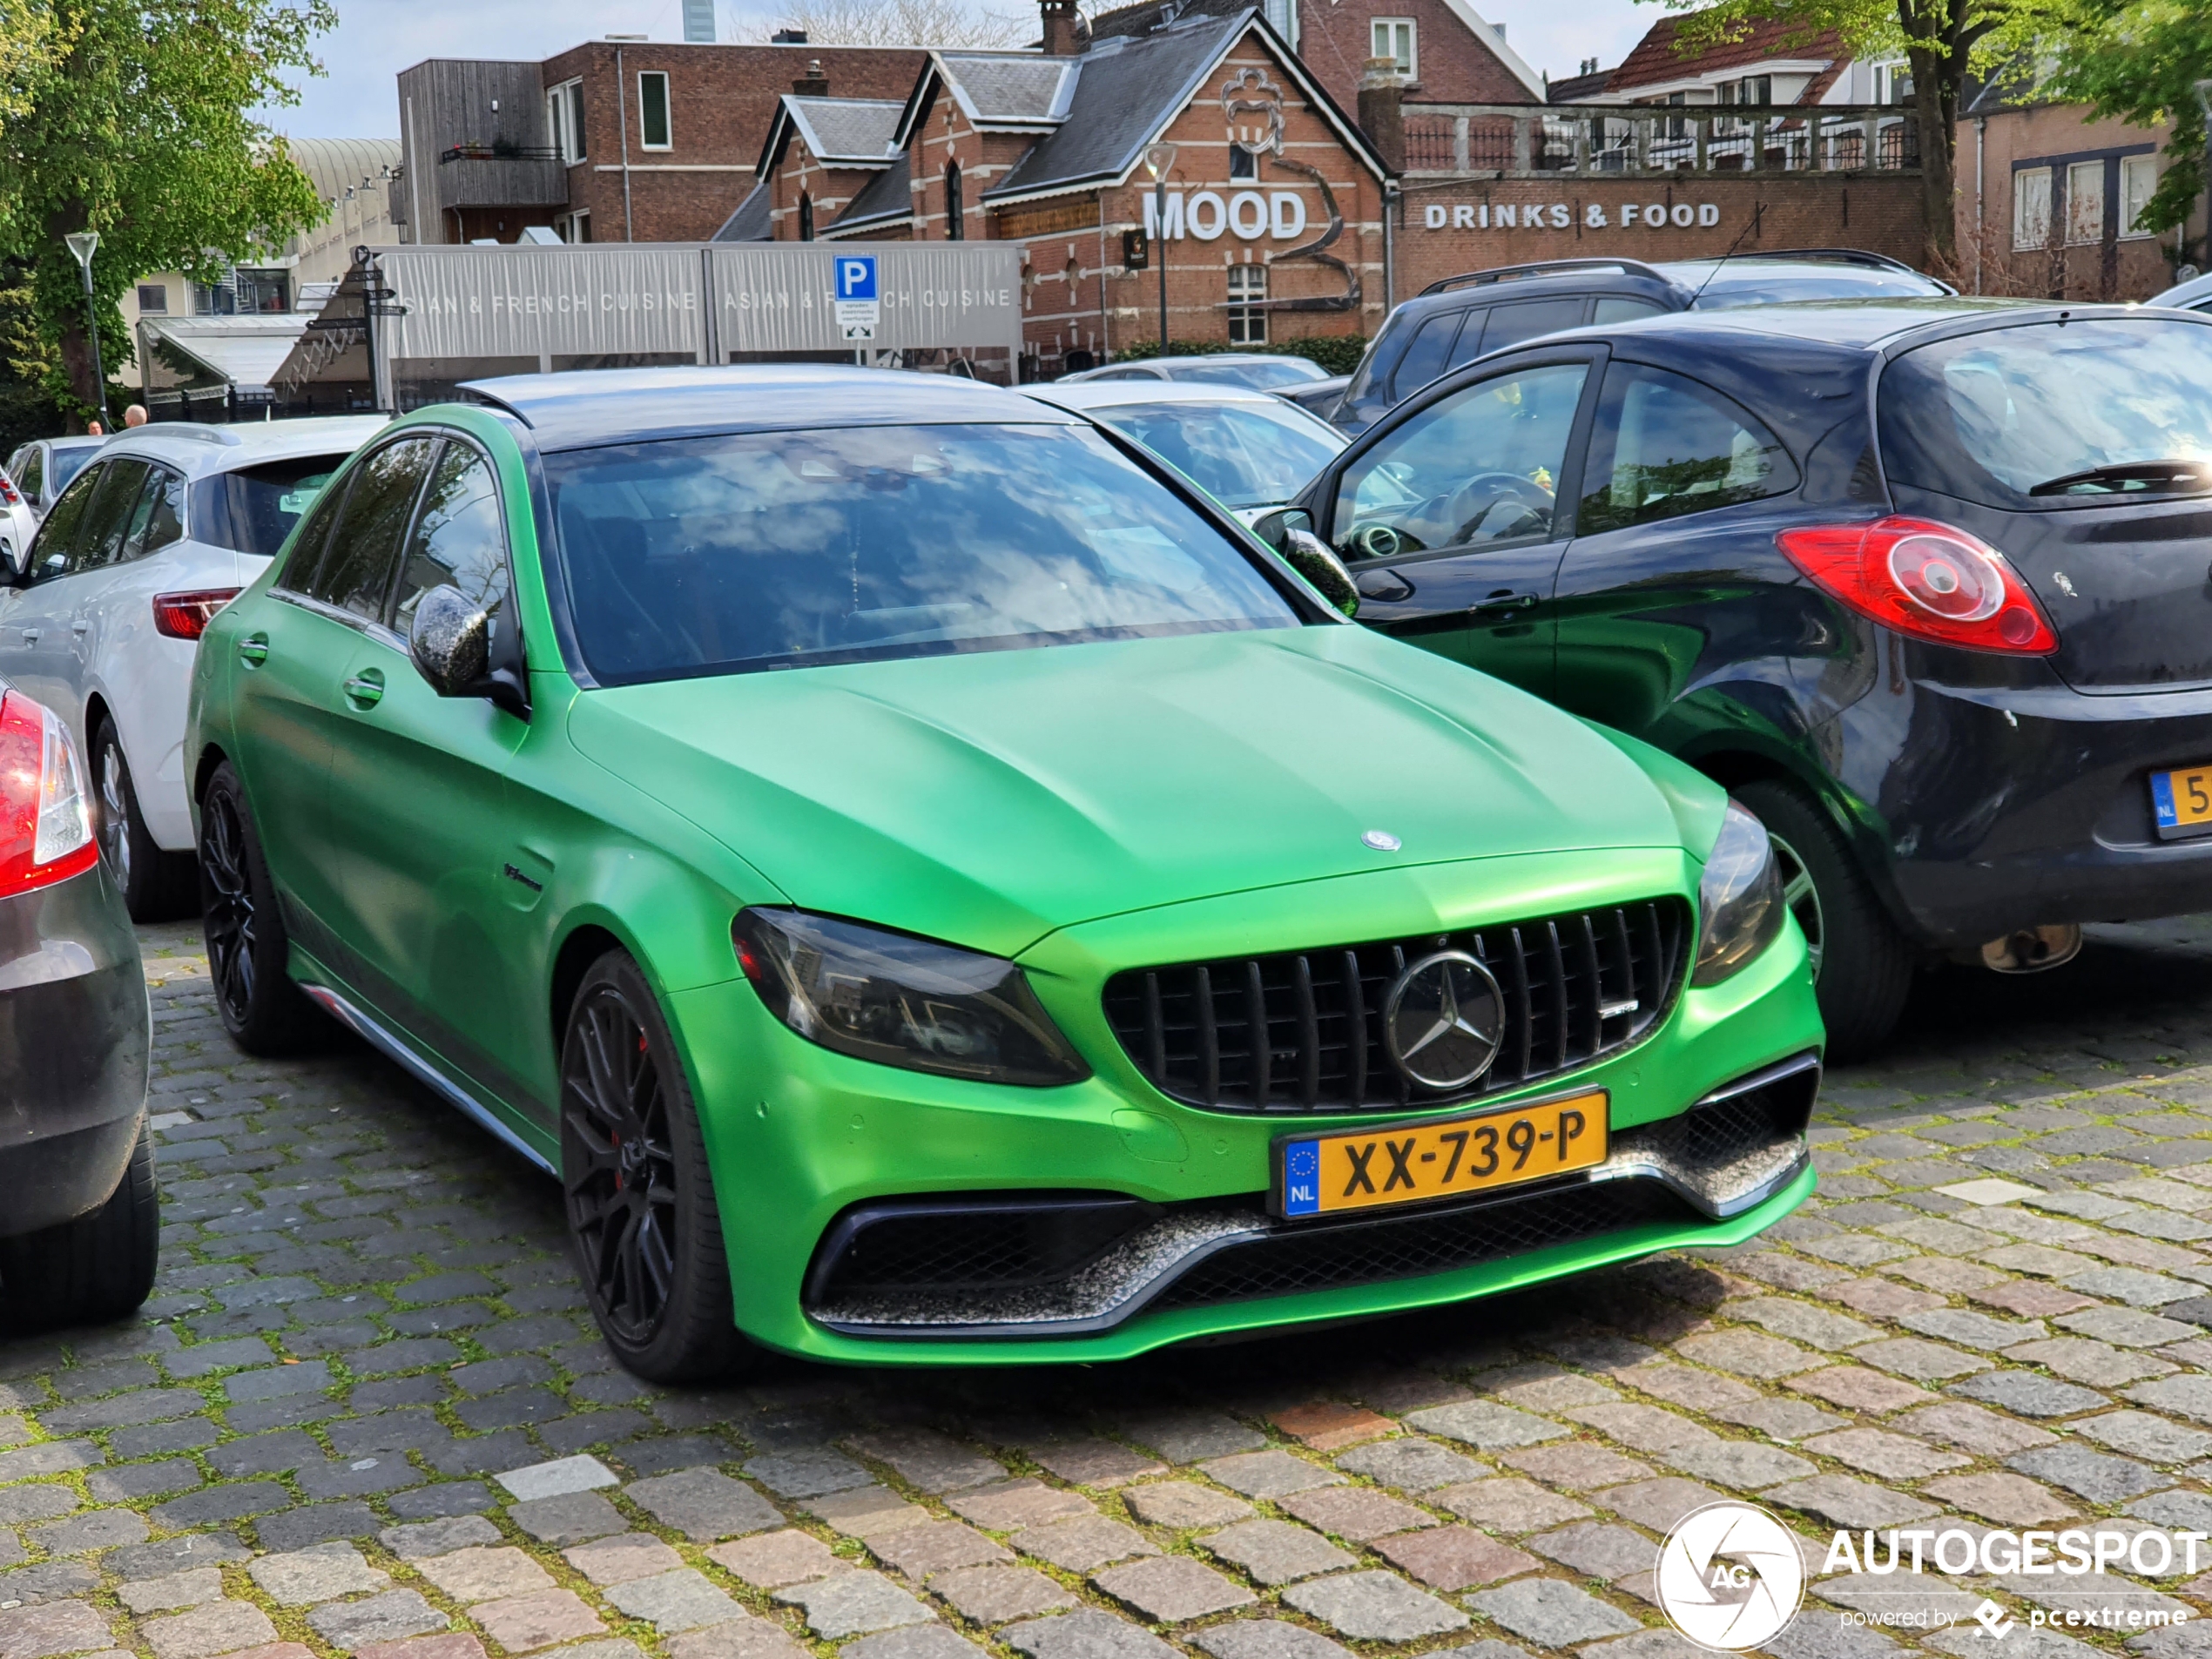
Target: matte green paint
{"x":1083,"y":808}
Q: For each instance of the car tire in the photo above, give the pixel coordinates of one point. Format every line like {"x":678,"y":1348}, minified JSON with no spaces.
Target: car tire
{"x":643,"y":1220}
{"x":247,"y":952}
{"x":157,"y":886}
{"x":1862,"y":965}
{"x":96,"y":1268}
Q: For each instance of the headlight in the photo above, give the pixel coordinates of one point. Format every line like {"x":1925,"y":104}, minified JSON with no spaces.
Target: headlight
{"x":901,"y":1001}
{"x":1739,"y":901}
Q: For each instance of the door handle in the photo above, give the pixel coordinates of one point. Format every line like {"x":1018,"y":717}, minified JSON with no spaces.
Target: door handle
{"x":254,"y":650}
{"x":80,"y":627}
{"x":366,"y":689}
{"x":31,"y":635}
{"x":1502,"y":601}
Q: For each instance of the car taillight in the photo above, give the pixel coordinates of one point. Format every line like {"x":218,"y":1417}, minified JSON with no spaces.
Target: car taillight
{"x":9,"y":494}
{"x":1927,"y":579}
{"x":46,"y":817}
{"x":186,"y":615}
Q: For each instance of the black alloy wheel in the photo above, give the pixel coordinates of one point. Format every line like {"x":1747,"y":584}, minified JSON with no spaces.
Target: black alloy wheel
{"x":226,"y":911}
{"x":156,"y":884}
{"x":263,"y":1010}
{"x":640,"y":1199}
{"x":114,"y":809}
{"x":1803,"y":899}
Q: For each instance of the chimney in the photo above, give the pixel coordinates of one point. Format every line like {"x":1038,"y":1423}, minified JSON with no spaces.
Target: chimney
{"x":813,"y":83}
{"x":1060,"y":36}
{"x":1381,"y":117}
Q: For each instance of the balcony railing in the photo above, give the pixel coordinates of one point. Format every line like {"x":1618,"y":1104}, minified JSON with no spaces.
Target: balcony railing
{"x":1506,"y":141}
{"x":499,"y":150}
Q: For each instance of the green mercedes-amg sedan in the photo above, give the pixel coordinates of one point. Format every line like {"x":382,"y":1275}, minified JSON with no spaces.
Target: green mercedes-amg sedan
{"x":934,"y":889}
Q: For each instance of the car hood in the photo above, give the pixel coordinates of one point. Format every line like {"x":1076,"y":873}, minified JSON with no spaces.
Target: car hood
{"x":988,"y":798}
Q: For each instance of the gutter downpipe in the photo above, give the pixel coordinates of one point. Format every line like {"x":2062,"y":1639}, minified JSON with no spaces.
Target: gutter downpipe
{"x":1393,"y":199}
{"x":414,"y":177}
{"x":622,"y":110}
{"x":1981,"y":172}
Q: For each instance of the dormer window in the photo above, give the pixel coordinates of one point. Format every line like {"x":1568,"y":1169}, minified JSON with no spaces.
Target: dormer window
{"x":1243,"y":162}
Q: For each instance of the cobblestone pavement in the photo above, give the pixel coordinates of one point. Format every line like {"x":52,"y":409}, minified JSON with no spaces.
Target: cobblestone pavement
{"x":365,"y":1413}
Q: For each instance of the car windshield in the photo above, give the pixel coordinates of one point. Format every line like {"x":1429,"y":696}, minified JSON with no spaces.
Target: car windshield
{"x":687,"y":556}
{"x":252,"y":510}
{"x":1242,"y":455}
{"x":1260,"y":376}
{"x":2083,"y":405}
{"x":64,"y":464}
{"x":1756,"y":287}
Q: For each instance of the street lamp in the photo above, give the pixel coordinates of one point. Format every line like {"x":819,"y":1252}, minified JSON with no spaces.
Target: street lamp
{"x":1159,"y":159}
{"x":82,"y":244}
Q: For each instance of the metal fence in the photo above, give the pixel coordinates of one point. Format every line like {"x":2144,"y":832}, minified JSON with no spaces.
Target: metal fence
{"x":1537,"y":141}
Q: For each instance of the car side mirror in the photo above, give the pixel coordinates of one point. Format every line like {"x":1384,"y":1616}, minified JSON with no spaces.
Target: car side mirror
{"x":1289,"y":531}
{"x":455,"y":646}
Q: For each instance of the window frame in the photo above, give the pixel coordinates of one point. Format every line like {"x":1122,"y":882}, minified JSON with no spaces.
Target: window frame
{"x":2147,"y":161}
{"x":564,"y":107}
{"x":1245,"y":313}
{"x":375,"y":627}
{"x":1788,"y":472}
{"x":667,"y":112}
{"x":2022,"y":179}
{"x":1409,"y":64}
{"x":160,"y":292}
{"x":452,"y":438}
{"x":2095,"y":168}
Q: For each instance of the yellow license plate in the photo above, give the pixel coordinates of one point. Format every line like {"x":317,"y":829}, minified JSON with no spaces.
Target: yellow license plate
{"x":1364,"y":1169}
{"x":2181,"y":801}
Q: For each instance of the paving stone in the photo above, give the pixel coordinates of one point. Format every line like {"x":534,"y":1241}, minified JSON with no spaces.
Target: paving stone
{"x":134,"y":1481}
{"x":1357,"y":1513}
{"x":913,"y":1642}
{"x":705,"y":1504}
{"x":1486,"y":1425}
{"x":50,"y":1582}
{"x":809,"y":1474}
{"x":520,"y":1624}
{"x":1647,"y":1428}
{"x":2099,"y":1364}
{"x":1168,"y":1590}
{"x":682,"y":1600}
{"x":1374,"y":1607}
{"x":321,"y":1574}
{"x":389,"y":1617}
{"x":2140,"y":1435}
{"x":1922,"y":1361}
{"x":1971,"y":1429}
{"x":1857,"y":1389}
{"x":1552,"y":1612}
{"x":1849,"y":1503}
{"x":2008,"y":1500}
{"x":1330,"y":1426}
{"x":994,"y":1595}
{"x":1083,"y":1545}
{"x":2188,"y":1395}
{"x":215,"y":1627}
{"x":1575,"y":1465}
{"x":316,"y":1523}
{"x":1085,"y":1633}
{"x":935,"y":1547}
{"x":1509,"y":1504}
{"x":561,"y":1477}
{"x":1743,"y":1464}
{"x":1091,"y":1462}
{"x":2092,"y":1475}
{"x":1190,"y":1436}
{"x":633,"y":1555}
{"x":769,"y":1561}
{"x":1269,"y":1474}
{"x":167,"y":1555}
{"x":866,"y":1511}
{"x":1275,"y":1552}
{"x":1747,"y":1353}
{"x":1805,"y":1322}
{"x":2124,"y":1327}
{"x":481,"y":1575}
{"x":1410,"y":1465}
{"x":571,"y":1518}
{"x":1597,"y":1550}
{"x":1454,"y":1558}
{"x":438,"y":1537}
{"x":851,"y":1604}
{"x":2029,"y":1394}
{"x":1011,"y":1504}
{"x":1891,"y":1457}
{"x":1658,"y":1504}
{"x":1183,"y":1503}
{"x":191,"y":1587}
{"x":928,"y":1461}
{"x":95,"y":1529}
{"x":1266,"y":1639}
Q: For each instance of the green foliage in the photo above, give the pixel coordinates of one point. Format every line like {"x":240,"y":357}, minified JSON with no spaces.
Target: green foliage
{"x":27,"y":410}
{"x":1338,"y":353}
{"x":134,"y":121}
{"x":2140,"y":62}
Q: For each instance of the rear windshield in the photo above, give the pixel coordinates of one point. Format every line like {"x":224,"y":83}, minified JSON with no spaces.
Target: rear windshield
{"x":252,"y":510}
{"x":1774,"y":287}
{"x":2052,"y":415}
{"x":1242,"y":455}
{"x":67,"y":463}
{"x":1261,"y":377}
{"x":690,"y":557}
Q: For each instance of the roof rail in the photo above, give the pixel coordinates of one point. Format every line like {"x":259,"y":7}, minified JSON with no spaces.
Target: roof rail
{"x":1830,"y":256}
{"x":1547,"y":268}
{"x":203,"y":433}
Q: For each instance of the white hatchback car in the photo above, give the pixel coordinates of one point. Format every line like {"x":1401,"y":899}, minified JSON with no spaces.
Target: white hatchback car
{"x":156,"y":534}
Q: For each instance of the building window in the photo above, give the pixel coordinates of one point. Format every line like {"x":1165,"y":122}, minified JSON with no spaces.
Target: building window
{"x":564,"y":119}
{"x":1755,"y":88}
{"x":2138,"y":183}
{"x":2084,"y":203}
{"x":806,"y":217}
{"x":1247,"y":301}
{"x":263,"y":291}
{"x":153,"y":298}
{"x":955,"y":208}
{"x":652,"y":109}
{"x":1892,"y":83}
{"x":2031,"y":207}
{"x":1392,"y":37}
{"x":1243,"y":162}
{"x":574,"y":227}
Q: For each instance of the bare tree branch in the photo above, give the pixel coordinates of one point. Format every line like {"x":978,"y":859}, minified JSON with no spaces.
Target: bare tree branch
{"x":892,"y":23}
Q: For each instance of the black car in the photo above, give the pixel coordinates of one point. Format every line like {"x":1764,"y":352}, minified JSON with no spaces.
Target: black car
{"x":79,"y":1214}
{"x":1924,"y":584}
{"x":1461,"y":318}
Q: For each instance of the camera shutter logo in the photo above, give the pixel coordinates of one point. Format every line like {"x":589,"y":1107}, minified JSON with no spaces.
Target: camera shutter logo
{"x":1731,"y":1577}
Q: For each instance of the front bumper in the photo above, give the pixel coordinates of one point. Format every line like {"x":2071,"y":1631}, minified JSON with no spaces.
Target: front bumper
{"x":798,"y":1136}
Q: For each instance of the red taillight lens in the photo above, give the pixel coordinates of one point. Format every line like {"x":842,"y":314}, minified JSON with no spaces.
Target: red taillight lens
{"x":1927,"y":579}
{"x":46,"y":817}
{"x":186,"y":615}
{"x":9,"y":494}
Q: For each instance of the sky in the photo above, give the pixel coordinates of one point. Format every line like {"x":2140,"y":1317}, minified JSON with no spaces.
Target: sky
{"x":376,"y":39}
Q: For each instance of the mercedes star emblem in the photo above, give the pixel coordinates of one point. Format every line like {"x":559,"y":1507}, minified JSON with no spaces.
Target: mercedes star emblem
{"x":1443,"y":1019}
{"x":1382,"y":841}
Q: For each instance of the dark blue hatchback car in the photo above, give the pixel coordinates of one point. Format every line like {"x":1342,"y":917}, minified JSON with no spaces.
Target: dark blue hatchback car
{"x":1924,"y":582}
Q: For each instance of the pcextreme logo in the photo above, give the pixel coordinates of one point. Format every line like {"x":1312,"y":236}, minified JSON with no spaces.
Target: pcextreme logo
{"x":1730,"y":1576}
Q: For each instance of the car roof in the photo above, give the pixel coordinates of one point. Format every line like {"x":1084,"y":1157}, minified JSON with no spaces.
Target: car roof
{"x":582,"y":408}
{"x":2185,"y":294}
{"x":1098,"y":395}
{"x":1863,"y":324}
{"x":197,"y":450}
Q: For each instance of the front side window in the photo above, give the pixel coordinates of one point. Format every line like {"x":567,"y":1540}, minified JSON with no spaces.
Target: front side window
{"x":458,"y":540}
{"x":2050,"y":414}
{"x":1242,"y":455}
{"x":53,"y":552}
{"x":357,"y":568}
{"x":652,"y":110}
{"x":1477,"y":470}
{"x":1248,"y":305}
{"x":2084,"y":202}
{"x":1392,"y":37}
{"x":2031,"y":207}
{"x":1664,"y":446}
{"x":691,"y":557}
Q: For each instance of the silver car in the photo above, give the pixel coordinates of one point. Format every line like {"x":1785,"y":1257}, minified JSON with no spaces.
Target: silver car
{"x":42,"y":468}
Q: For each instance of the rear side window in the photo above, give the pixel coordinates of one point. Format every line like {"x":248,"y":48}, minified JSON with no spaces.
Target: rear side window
{"x":356,"y":571}
{"x":1664,"y":446}
{"x":1620,"y":308}
{"x":254,"y":508}
{"x":1510,"y":325}
{"x":160,"y":517}
{"x":2050,"y":414}
{"x":1430,"y":351}
{"x":34,"y":468}
{"x":107,"y":521}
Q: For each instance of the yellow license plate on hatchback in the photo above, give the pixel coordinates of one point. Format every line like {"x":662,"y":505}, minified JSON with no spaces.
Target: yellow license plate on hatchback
{"x":2182,"y":802}
{"x":1364,"y":1169}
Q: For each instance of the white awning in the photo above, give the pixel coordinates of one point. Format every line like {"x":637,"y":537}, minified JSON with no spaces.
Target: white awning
{"x":244,"y":351}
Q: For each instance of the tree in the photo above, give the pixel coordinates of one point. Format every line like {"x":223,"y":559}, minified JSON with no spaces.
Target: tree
{"x":1944,"y":41}
{"x":130,"y":117}
{"x":2140,"y":61}
{"x":904,"y":22}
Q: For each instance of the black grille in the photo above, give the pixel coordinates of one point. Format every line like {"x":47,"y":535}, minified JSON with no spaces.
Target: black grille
{"x":995,"y":1242}
{"x":1302,"y":1032}
{"x":1410,"y":1246}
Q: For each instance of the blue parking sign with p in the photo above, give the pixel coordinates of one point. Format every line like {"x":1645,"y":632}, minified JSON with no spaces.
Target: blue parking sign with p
{"x":856,"y":276}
